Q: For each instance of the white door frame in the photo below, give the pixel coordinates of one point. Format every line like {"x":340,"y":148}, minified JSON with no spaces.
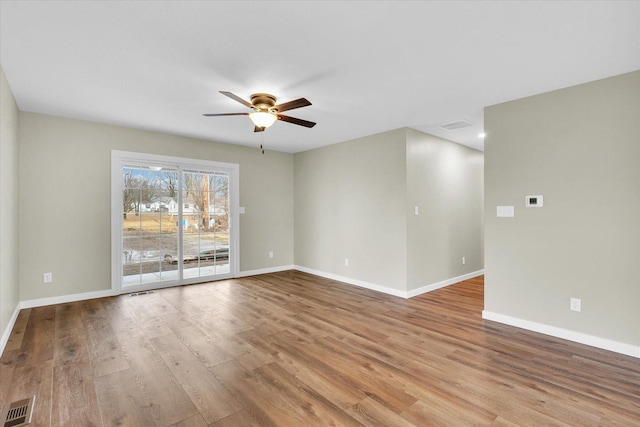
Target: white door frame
{"x":119,"y":159}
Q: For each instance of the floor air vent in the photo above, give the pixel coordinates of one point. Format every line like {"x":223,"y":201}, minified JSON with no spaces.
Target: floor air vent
{"x":18,"y":413}
{"x":135,"y":294}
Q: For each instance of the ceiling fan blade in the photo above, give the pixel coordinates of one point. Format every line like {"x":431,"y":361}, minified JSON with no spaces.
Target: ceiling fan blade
{"x":237,"y":98}
{"x":296,"y":121}
{"x":297,"y":103}
{"x":226,"y":114}
{"x":258,"y":129}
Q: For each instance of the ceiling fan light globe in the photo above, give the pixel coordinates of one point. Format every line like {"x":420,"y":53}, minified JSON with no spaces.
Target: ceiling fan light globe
{"x":263,"y":119}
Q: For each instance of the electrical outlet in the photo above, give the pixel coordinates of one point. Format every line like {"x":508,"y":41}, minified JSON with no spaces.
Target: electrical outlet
{"x":464,"y":261}
{"x":48,"y":277}
{"x":270,"y":254}
{"x":575,"y":304}
{"x":346,"y":262}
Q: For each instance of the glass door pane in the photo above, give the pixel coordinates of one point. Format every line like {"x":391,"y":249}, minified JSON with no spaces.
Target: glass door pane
{"x":205,"y":203}
{"x":149,"y":231}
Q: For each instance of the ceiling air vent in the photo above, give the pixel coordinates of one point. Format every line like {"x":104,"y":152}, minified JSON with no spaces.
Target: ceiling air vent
{"x":18,"y":413}
{"x":456,"y":125}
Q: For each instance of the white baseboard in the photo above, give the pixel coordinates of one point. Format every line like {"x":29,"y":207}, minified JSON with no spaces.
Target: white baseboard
{"x":265,"y":270}
{"x":593,"y":341}
{"x":355,"y":282}
{"x":7,"y":331}
{"x":65,"y":298}
{"x":385,"y":289}
{"x":428,"y":288}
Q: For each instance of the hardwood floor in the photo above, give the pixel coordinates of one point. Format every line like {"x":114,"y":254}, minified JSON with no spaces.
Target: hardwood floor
{"x":291,"y":349}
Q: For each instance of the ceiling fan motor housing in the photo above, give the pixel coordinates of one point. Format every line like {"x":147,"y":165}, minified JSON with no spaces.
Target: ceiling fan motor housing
{"x":263,"y":101}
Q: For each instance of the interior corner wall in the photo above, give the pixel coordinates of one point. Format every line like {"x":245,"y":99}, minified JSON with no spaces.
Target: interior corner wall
{"x":350,"y":203}
{"x":65,"y":185}
{"x":445,"y":182}
{"x":579,"y":148}
{"x":9,"y":217}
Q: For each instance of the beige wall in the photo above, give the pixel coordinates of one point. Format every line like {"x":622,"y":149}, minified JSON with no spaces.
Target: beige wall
{"x":445,"y":182}
{"x":580,"y":148}
{"x":9,"y":218}
{"x":356,"y":200}
{"x":350,"y":203}
{"x":65,"y":193}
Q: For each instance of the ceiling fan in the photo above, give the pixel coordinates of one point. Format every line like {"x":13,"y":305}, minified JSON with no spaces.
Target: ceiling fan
{"x":266,"y":112}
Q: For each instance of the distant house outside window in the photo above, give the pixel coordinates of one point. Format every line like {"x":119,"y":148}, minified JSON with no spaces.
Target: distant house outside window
{"x":186,"y":205}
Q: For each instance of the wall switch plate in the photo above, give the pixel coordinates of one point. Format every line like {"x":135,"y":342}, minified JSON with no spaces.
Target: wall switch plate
{"x":416,"y":211}
{"x":575,"y":304}
{"x":464,"y":261}
{"x":270,"y":254}
{"x":48,"y":277}
{"x":505,"y":211}
{"x":346,"y":262}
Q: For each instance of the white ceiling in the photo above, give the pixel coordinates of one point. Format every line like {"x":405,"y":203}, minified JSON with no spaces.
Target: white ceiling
{"x":367,"y":67}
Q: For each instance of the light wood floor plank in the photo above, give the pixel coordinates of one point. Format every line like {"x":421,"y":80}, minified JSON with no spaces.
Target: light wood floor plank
{"x":121,"y":401}
{"x":159,"y":389}
{"x":241,"y":418}
{"x":213,"y":401}
{"x":17,"y":333}
{"x":370,"y":412}
{"x":75,"y":402}
{"x":37,"y":342}
{"x":104,"y":348}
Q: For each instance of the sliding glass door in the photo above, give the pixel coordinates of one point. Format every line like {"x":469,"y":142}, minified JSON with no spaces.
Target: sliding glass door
{"x":205,"y":242}
{"x":172,"y":221}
